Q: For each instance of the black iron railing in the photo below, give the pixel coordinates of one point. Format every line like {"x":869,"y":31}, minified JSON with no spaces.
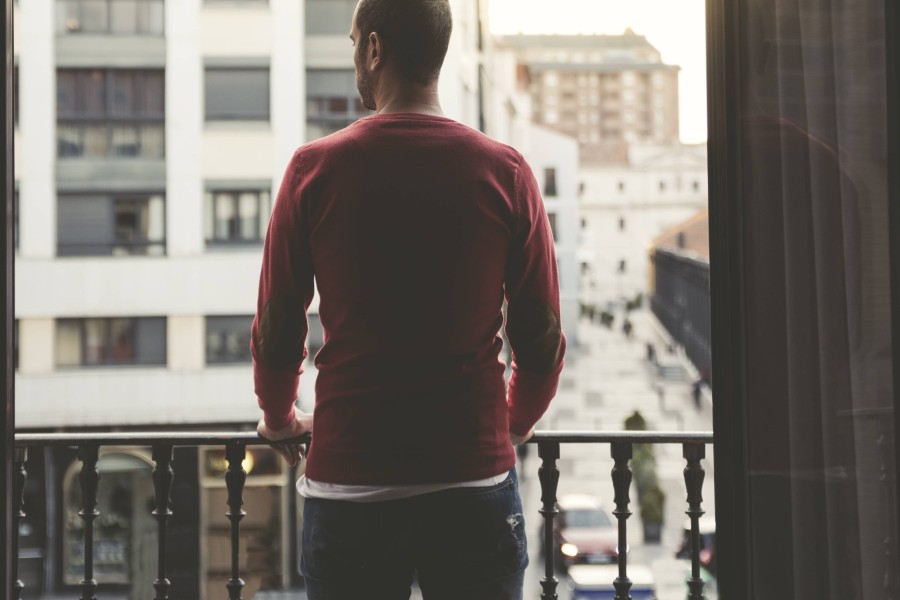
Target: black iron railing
{"x":548,"y":442}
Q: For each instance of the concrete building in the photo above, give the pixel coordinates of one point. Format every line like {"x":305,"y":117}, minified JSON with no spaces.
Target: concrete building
{"x":606,"y":91}
{"x":624,"y":208}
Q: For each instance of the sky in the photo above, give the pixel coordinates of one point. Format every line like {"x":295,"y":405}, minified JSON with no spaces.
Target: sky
{"x":676,"y":27}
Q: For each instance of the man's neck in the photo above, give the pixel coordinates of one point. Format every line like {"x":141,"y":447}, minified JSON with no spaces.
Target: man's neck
{"x":410,"y":98}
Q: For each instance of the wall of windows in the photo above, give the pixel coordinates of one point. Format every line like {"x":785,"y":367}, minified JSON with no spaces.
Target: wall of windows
{"x":117,"y":113}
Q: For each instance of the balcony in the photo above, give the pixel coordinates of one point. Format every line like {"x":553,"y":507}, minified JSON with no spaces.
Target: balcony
{"x":236,"y":444}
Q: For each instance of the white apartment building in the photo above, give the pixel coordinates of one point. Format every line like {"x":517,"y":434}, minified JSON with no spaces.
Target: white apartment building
{"x":624,"y":208}
{"x":151,"y":141}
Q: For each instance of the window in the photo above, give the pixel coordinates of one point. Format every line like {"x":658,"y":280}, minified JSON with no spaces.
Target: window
{"x":143,"y":17}
{"x":662,"y":186}
{"x":110,"y":341}
{"x":621,"y":186}
{"x":110,"y":113}
{"x":329,"y":17}
{"x":111,"y":225}
{"x":237,"y":94}
{"x":550,"y":182}
{"x":236,"y":217}
{"x":552,"y":218}
{"x":332,"y":101}
{"x":228,"y":340}
{"x":622,"y":266}
{"x":621,"y":223}
{"x":696,"y":186}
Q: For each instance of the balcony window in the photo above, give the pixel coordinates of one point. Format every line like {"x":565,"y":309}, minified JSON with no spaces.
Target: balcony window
{"x":110,"y":342}
{"x":237,"y":94}
{"x":111,"y":225}
{"x":332,"y":101}
{"x":114,"y":113}
{"x":123,"y":17}
{"x":228,"y":340}
{"x":329,"y":17}
{"x":236,"y":217}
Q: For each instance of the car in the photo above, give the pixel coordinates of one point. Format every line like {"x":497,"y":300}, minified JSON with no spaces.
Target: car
{"x":583,"y":533}
{"x":595,"y":582}
{"x":707,"y":527}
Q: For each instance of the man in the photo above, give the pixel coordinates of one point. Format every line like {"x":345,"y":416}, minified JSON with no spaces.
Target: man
{"x":414,"y":228}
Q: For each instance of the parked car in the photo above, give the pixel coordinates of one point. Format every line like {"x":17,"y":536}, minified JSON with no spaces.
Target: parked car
{"x":583,"y":533}
{"x":595,"y":582}
{"x":707,"y":526}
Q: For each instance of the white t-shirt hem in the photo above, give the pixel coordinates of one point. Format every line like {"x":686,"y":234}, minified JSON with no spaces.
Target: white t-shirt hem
{"x":309,"y":488}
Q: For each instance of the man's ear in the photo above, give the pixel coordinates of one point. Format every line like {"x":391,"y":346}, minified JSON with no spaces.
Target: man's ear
{"x":376,"y":52}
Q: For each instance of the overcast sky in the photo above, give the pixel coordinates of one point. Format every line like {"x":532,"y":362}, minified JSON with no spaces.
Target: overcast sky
{"x":676,"y":27}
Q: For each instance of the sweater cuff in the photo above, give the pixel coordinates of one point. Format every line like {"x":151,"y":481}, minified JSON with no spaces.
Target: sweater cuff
{"x":276,"y":392}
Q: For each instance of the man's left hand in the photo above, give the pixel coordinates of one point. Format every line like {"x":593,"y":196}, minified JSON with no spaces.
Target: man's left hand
{"x":292,"y":453}
{"x":518,"y":440}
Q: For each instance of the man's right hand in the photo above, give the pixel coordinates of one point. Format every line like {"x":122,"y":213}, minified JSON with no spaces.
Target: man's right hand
{"x":292,"y":453}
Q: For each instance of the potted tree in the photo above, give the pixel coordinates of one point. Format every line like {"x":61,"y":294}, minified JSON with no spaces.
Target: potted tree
{"x":652,"y":509}
{"x":651,"y":498}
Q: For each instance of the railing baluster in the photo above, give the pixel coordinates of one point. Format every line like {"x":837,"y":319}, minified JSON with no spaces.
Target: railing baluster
{"x":548,"y":473}
{"x":20,"y":474}
{"x":90,"y":481}
{"x":621,"y":476}
{"x":235,"y":478}
{"x":693,"y":480}
{"x":163,"y":474}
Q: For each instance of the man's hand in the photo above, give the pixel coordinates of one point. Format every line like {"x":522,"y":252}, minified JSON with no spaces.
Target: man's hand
{"x":292,"y":453}
{"x":518,"y":440}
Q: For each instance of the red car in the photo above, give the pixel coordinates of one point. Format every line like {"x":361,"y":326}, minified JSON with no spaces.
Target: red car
{"x":583,"y":533}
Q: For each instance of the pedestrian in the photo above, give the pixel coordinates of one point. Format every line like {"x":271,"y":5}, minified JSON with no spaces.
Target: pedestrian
{"x":414,"y":228}
{"x":627,"y":327}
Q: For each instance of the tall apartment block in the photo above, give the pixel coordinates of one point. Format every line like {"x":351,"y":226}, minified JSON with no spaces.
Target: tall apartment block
{"x":151,"y":140}
{"x":606,"y":91}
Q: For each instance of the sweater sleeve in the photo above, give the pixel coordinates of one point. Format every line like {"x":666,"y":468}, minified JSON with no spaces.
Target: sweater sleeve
{"x":286,"y":290}
{"x":533,"y":318}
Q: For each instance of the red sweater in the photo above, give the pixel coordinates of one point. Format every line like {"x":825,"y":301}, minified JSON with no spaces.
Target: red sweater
{"x":415,"y":228}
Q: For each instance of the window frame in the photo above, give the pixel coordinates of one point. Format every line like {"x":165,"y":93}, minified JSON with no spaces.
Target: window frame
{"x":108,"y":29}
{"x":264,"y":210}
{"x":110,"y":199}
{"x":231,"y":115}
{"x":81,"y":322}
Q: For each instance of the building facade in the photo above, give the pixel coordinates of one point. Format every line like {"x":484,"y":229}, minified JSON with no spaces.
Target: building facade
{"x":606,"y":91}
{"x":624,"y":207}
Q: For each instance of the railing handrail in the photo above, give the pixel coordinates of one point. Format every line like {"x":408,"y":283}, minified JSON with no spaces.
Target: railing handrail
{"x":250,"y":438}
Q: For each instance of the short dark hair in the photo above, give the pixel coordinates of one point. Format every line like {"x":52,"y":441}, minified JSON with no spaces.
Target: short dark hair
{"x":416,"y":33}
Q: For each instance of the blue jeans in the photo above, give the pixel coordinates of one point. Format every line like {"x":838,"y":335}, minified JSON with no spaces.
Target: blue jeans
{"x":462,"y":543}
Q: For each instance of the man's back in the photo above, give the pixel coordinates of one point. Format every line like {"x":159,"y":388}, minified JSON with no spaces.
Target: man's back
{"x":412,"y":225}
